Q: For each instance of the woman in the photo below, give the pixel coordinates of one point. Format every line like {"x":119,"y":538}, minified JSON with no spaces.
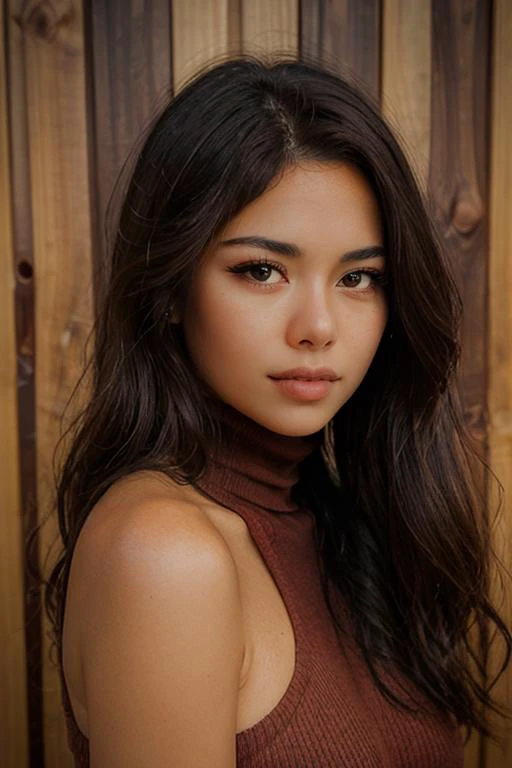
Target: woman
{"x":274,"y":547}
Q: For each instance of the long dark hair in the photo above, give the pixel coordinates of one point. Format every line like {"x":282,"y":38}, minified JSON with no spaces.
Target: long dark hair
{"x":403,"y":531}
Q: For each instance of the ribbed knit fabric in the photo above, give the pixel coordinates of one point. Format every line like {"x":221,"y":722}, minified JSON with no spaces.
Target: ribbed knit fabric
{"x":331,"y":715}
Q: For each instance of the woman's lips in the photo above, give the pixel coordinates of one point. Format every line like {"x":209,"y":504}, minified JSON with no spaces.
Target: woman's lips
{"x":300,"y":389}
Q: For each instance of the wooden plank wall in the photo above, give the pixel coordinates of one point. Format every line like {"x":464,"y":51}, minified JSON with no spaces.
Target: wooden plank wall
{"x":500,"y":312}
{"x":54,"y":64}
{"x":14,"y":734}
{"x":79,"y":81}
{"x":129,"y":50}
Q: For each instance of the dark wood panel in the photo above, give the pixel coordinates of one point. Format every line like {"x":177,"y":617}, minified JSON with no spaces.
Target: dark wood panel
{"x":129,"y":73}
{"x":458,"y":174}
{"x":24,"y":269}
{"x":345,"y":33}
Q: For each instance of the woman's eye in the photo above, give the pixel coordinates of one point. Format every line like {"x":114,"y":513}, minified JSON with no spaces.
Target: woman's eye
{"x":262,"y":273}
{"x":259,"y":272}
{"x":355,"y":279}
{"x":363,"y":280}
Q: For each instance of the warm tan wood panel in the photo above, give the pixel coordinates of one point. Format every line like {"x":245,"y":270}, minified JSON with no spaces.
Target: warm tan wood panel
{"x":407,"y":77}
{"x":13,"y":683}
{"x":200,"y":31}
{"x":130,"y":56}
{"x":55,"y":92}
{"x":346,"y":34}
{"x":500,"y":319}
{"x":270,"y":25}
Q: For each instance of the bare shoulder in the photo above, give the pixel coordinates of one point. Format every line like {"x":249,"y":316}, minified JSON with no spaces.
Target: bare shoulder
{"x":177,"y":504}
{"x":160,"y":628}
{"x":147,"y":527}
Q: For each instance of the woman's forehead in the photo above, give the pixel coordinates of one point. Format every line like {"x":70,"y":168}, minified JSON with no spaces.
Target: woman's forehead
{"x":328,"y":205}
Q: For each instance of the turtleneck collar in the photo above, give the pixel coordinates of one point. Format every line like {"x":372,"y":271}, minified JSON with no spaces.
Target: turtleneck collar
{"x":252,"y":464}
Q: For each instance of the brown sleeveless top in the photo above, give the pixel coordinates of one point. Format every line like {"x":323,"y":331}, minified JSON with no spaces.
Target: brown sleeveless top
{"x":331,"y":715}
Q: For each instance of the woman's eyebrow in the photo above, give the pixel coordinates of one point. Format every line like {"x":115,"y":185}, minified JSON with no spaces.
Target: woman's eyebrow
{"x":290,"y":249}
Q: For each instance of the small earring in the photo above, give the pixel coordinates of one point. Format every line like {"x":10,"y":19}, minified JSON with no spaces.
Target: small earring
{"x":168,"y":314}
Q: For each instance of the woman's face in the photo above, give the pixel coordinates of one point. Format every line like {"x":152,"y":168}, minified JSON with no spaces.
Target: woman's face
{"x":254,"y":313}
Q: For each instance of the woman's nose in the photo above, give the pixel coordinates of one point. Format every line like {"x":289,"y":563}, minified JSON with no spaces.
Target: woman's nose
{"x":312,"y":322}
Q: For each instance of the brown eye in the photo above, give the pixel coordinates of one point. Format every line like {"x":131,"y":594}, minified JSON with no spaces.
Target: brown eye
{"x":352,"y":279}
{"x":261,"y":272}
{"x":364,"y":280}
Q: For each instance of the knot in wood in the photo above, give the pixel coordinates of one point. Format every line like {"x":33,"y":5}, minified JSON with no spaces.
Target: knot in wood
{"x":42,"y":18}
{"x":467,"y":214}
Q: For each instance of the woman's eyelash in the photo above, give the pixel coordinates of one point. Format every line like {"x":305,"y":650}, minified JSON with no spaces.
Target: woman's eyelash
{"x":378,"y":276}
{"x":247,"y":266}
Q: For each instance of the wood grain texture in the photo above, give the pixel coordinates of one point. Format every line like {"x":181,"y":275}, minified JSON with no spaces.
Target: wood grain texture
{"x":459,"y":187}
{"x":235,"y":27}
{"x":458,"y":175}
{"x":346,"y":35}
{"x":270,"y":26}
{"x":56,"y":111}
{"x":200,"y":35}
{"x":129,"y":49}
{"x":25,"y":355}
{"x":407,"y":78}
{"x":500,"y":329}
{"x":406,"y":103}
{"x":13,"y":674}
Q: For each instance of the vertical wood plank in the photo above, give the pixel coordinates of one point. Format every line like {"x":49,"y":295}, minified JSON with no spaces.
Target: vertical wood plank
{"x":55,"y":80}
{"x":200,"y":32}
{"x":459,"y":187}
{"x":270,"y":26}
{"x":235,"y":27}
{"x":345,"y":34}
{"x":14,"y":731}
{"x":500,"y":327}
{"x":407,"y":77}
{"x":130,"y":58}
{"x":25,"y":354}
{"x":458,"y":175}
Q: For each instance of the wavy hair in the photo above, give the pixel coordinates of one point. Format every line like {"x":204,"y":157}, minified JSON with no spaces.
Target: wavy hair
{"x":403,"y":531}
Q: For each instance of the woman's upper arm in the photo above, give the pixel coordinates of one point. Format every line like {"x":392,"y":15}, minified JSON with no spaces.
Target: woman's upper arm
{"x":162,"y":642}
